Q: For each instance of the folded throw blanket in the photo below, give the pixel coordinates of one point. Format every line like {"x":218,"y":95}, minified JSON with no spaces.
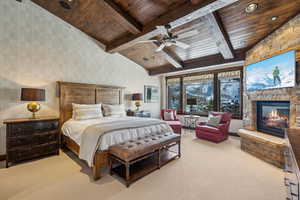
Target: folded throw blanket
{"x":91,"y":137}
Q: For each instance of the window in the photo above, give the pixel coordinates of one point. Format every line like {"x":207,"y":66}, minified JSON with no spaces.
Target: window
{"x":230,"y":92}
{"x":173,"y":88}
{"x":198,"y":94}
{"x":201,"y":93}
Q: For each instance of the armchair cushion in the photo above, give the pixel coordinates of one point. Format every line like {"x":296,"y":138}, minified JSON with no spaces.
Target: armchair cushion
{"x":202,"y":123}
{"x":208,"y":129}
{"x":175,"y":125}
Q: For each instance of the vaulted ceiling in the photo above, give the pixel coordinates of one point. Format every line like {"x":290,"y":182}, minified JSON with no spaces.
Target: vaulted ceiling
{"x":225,"y":31}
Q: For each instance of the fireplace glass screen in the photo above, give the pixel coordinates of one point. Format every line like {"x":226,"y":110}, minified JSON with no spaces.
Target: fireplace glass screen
{"x":273,"y":117}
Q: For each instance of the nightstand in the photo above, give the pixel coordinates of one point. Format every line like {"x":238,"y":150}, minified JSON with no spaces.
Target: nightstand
{"x":138,"y":113}
{"x":31,"y":138}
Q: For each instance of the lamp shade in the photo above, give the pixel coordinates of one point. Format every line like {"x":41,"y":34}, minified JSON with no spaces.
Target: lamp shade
{"x":32,"y":94}
{"x":191,"y":101}
{"x":137,"y":97}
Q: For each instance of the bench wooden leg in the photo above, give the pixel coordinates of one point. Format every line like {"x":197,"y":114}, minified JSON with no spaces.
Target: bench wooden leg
{"x":159,"y":159}
{"x":110,"y":164}
{"x":96,"y":172}
{"x":179,"y":149}
{"x":127,"y":165}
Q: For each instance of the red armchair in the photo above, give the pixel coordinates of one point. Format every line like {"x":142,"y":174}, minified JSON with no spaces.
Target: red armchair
{"x":175,"y":124}
{"x":215,"y":134}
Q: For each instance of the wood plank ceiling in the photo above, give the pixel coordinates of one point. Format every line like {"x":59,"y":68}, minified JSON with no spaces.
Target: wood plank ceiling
{"x":224,"y":30}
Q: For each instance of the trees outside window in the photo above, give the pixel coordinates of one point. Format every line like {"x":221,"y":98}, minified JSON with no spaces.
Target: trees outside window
{"x":218,"y":91}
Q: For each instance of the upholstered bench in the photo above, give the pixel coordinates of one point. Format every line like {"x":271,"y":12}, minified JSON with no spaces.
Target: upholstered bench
{"x":137,"y":158}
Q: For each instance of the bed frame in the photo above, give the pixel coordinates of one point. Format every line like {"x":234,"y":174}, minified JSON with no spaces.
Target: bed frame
{"x":86,"y":94}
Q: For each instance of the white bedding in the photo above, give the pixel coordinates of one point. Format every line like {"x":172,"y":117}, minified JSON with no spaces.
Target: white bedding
{"x":75,"y":128}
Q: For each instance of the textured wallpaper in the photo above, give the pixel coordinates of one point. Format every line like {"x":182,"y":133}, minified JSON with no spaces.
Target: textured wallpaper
{"x":38,"y":49}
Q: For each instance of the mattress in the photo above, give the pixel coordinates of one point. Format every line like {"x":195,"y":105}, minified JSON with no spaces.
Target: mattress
{"x":75,"y":128}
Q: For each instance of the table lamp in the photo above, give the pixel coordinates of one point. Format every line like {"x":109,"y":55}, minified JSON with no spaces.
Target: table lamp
{"x":137,"y":97}
{"x":33,"y":95}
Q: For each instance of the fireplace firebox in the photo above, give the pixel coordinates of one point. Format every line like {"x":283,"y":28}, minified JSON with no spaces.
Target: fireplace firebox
{"x":273,"y":117}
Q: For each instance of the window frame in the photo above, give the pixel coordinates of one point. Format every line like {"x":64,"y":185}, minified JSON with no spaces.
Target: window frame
{"x":216,"y":90}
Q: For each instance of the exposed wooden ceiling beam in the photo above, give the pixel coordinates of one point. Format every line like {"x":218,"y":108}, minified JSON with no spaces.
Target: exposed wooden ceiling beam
{"x":123,"y":17}
{"x":175,"y":18}
{"x":219,"y":34}
{"x":206,"y":61}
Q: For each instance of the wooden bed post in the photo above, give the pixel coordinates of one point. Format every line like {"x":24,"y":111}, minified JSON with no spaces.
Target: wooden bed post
{"x":96,"y":172}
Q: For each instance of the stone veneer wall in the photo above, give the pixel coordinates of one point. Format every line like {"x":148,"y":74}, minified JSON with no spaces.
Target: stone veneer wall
{"x":282,"y":40}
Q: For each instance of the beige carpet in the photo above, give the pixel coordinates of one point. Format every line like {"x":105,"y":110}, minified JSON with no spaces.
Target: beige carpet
{"x":206,"y":171}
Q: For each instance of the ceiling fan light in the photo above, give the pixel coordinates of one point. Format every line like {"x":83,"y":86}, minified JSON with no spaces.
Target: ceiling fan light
{"x":251,"y":8}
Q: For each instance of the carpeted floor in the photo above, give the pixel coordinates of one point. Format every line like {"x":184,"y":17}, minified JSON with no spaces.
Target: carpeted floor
{"x":206,"y":171}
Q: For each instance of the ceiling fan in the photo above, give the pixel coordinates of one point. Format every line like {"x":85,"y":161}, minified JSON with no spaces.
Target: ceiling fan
{"x":169,"y":39}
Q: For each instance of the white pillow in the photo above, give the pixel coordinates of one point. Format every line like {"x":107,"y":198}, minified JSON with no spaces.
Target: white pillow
{"x":214,"y":121}
{"x":86,"y":111}
{"x":169,"y":116}
{"x":114,"y":110}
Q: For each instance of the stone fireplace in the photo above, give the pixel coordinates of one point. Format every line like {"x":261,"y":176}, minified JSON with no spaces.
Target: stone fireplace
{"x":273,"y":117}
{"x":266,"y":112}
{"x":287,"y":97}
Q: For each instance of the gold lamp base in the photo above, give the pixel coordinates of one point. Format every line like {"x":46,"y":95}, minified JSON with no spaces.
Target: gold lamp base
{"x":33,"y":107}
{"x":137,"y":104}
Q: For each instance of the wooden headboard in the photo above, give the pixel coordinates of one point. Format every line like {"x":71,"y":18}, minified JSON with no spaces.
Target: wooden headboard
{"x":86,"y":94}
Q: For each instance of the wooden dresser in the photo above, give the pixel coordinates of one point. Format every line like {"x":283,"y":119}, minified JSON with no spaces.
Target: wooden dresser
{"x":31,"y":138}
{"x":292,"y":163}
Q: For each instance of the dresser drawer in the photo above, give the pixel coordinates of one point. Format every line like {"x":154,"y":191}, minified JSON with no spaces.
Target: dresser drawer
{"x":14,"y":142}
{"x":46,"y":126}
{"x":29,"y":128}
{"x":40,"y":150}
{"x":20,"y":129}
{"x":20,"y":154}
{"x":45,"y":137}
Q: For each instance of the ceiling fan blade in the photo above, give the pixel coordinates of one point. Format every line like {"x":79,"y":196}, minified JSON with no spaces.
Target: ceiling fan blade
{"x":187,"y":34}
{"x":146,"y":41}
{"x":160,"y":48}
{"x":181,"y":45}
{"x":163,"y":30}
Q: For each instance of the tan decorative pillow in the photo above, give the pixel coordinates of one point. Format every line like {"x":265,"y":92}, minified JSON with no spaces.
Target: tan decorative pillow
{"x":114,"y":110}
{"x":213,"y":121}
{"x":86,"y":111}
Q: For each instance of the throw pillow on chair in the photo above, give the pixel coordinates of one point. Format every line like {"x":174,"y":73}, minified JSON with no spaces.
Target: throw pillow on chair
{"x":169,"y":116}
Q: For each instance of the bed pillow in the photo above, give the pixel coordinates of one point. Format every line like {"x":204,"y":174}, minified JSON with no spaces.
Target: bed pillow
{"x":114,"y":110}
{"x":169,"y":116}
{"x":86,"y":111}
{"x":214,"y":121}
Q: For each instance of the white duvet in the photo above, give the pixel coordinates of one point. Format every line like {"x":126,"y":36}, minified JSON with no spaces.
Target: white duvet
{"x":75,"y":128}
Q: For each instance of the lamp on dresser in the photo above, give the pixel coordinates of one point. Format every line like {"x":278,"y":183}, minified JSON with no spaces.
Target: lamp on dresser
{"x":33,"y":95}
{"x":137,"y":97}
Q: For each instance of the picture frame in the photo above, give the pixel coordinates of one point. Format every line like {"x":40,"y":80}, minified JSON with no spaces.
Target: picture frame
{"x":151,"y":94}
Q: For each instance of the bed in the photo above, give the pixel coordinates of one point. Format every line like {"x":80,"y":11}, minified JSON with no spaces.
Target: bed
{"x":72,"y":130}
